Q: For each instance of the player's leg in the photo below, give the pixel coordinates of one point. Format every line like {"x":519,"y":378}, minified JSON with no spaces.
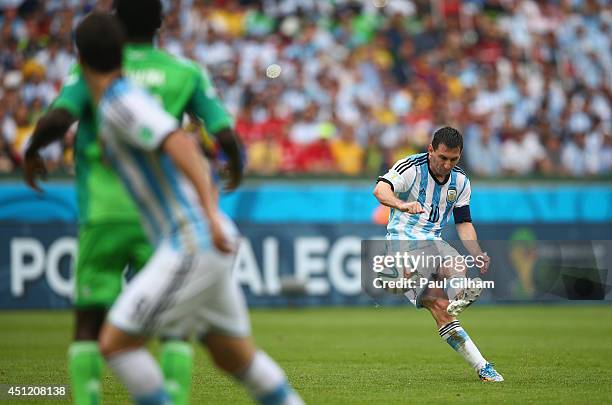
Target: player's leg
{"x":137,"y":313}
{"x":135,"y":367}
{"x":261,"y":376}
{"x":176,"y":361}
{"x":84,"y":359}
{"x":176,"y":353}
{"x":225,"y":328}
{"x":97,"y":286}
{"x":451,"y":332}
{"x":435,"y":301}
{"x":461,"y":291}
{"x":450,"y":329}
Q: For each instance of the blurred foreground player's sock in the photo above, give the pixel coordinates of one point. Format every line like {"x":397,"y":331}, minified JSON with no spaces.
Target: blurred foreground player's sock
{"x":453,"y":334}
{"x":141,"y":375}
{"x":85,"y":364}
{"x":267,"y":383}
{"x":176,"y":361}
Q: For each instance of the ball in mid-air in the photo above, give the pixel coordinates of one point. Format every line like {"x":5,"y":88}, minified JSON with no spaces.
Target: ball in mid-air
{"x":273,"y":71}
{"x":397,"y":281}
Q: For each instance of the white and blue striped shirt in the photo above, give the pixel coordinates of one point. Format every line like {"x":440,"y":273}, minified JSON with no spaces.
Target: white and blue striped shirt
{"x":412,"y":181}
{"x":133,"y":126}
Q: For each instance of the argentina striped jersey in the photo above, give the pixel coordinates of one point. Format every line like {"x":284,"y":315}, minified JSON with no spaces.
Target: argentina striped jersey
{"x":412,"y":180}
{"x":133,"y":126}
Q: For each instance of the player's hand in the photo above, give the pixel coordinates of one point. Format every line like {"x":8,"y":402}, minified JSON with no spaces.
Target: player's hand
{"x":482,"y":262}
{"x":411,"y":207}
{"x":220,"y":240}
{"x":234,"y":177}
{"x":33,"y":167}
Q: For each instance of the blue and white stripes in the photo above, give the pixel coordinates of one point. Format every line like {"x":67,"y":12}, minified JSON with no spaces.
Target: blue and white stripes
{"x":412,"y":181}
{"x":133,"y":126}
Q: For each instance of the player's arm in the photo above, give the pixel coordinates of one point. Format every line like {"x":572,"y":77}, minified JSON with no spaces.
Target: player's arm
{"x":468,"y":236}
{"x":232,"y":147}
{"x":465,"y":228}
{"x":395,"y":182}
{"x":50,"y":127}
{"x":385,"y":195}
{"x":53,"y":125}
{"x":207,"y":107}
{"x":190,"y":161}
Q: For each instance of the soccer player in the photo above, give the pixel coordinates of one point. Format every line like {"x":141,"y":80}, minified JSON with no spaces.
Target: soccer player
{"x":186,"y":287}
{"x":422,"y":192}
{"x":110,"y":235}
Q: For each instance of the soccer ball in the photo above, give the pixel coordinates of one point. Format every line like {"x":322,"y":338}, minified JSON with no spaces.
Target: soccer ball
{"x":396,"y":281}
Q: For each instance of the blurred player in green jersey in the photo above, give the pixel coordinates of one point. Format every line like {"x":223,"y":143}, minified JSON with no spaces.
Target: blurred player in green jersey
{"x":110,"y":233}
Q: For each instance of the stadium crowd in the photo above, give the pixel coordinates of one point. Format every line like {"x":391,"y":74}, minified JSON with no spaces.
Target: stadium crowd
{"x":362,"y":83}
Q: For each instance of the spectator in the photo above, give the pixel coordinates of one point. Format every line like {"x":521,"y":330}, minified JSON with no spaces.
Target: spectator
{"x":495,"y":69}
{"x":606,"y":153}
{"x":6,"y":162}
{"x":522,"y":153}
{"x":575,"y":156}
{"x":56,"y":61}
{"x":35,"y":86}
{"x":23,"y":130}
{"x":265,"y":156}
{"x":347,"y":153}
{"x":482,"y":150}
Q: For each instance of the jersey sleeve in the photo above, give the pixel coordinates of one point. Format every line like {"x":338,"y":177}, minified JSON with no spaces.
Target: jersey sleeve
{"x":74,"y":95}
{"x":461,"y":211}
{"x":206,"y":105}
{"x":400,"y":177}
{"x":465,"y":195}
{"x":137,"y":118}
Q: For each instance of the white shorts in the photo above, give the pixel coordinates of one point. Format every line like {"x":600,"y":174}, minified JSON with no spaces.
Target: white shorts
{"x":432,"y":252}
{"x":176,"y":294}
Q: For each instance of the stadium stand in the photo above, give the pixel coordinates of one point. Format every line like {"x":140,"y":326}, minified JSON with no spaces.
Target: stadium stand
{"x":362,"y":83}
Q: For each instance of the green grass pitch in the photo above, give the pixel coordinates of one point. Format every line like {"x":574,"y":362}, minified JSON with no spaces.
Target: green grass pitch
{"x":548,"y":354}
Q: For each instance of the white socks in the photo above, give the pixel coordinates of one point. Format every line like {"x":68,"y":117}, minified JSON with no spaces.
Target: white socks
{"x":453,"y":334}
{"x":267,"y":383}
{"x":141,"y":375}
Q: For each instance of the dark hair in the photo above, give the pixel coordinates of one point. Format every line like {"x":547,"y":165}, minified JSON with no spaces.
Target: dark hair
{"x":448,"y":136}
{"x":140,"y":18}
{"x":99,"y":40}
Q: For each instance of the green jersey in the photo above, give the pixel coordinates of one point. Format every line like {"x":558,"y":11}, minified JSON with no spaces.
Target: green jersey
{"x":180,"y":85}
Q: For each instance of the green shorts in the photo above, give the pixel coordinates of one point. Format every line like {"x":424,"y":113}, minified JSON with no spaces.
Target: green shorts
{"x":105,"y":251}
